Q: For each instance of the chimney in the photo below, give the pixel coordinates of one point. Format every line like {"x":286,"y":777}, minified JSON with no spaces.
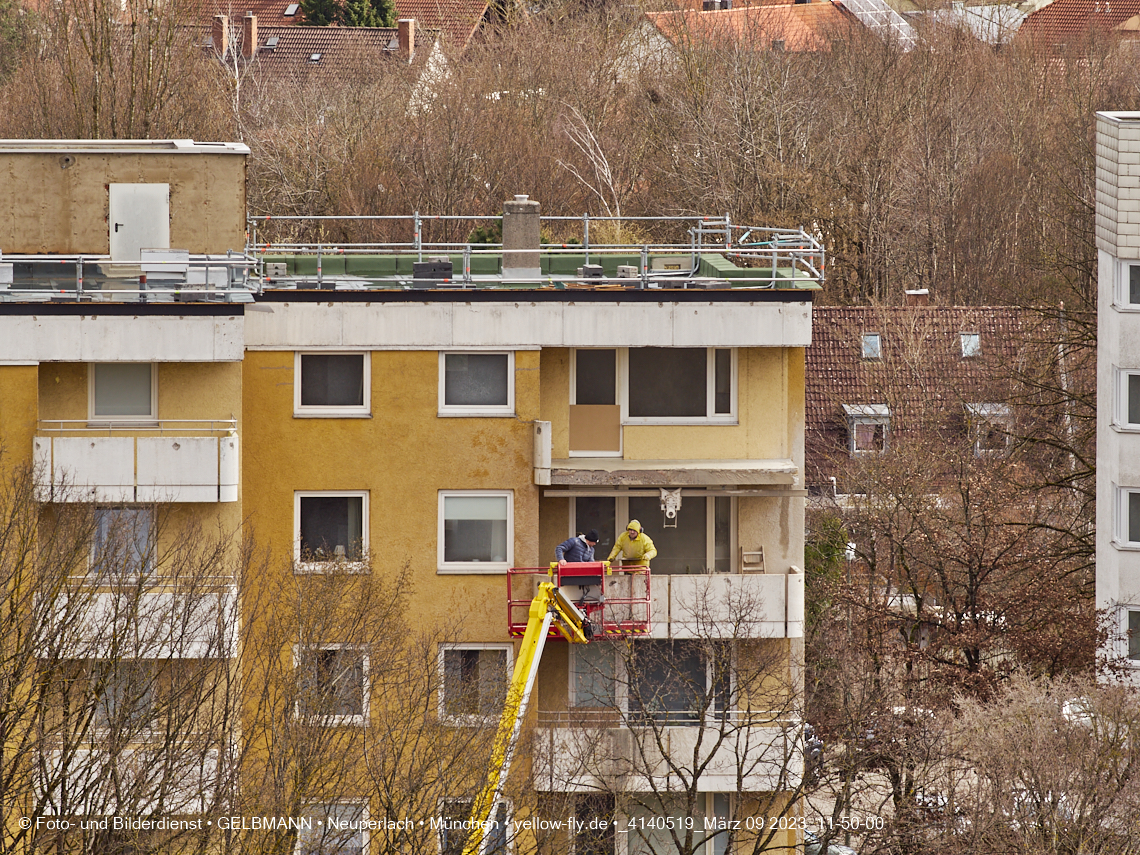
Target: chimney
{"x":220,"y":35}
{"x":920,"y":297}
{"x":406,"y":36}
{"x":521,"y":238}
{"x":249,"y":35}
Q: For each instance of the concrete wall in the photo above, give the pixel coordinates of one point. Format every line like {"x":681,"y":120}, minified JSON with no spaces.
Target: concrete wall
{"x":54,"y":199}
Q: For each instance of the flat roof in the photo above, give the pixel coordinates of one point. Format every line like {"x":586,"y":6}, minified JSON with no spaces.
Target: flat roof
{"x":126,"y":146}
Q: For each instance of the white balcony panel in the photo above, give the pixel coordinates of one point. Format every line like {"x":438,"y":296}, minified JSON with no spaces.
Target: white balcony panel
{"x":151,"y":625}
{"x":130,"y":781}
{"x":136,"y":468}
{"x":93,"y":469}
{"x":178,"y":469}
{"x":761,"y":605}
{"x":760,"y":758}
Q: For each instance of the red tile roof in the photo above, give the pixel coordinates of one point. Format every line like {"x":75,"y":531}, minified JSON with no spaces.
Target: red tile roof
{"x":456,"y":19}
{"x":800,"y":26}
{"x":922,"y":374}
{"x":305,"y":52}
{"x":1062,"y":21}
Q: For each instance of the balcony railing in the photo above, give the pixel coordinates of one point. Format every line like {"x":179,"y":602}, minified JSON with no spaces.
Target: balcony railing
{"x":78,"y":460}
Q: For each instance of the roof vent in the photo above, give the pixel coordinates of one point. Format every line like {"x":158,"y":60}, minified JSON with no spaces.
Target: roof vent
{"x":292,"y":9}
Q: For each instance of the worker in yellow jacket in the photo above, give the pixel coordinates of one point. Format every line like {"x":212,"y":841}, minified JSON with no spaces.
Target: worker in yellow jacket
{"x":634,"y":546}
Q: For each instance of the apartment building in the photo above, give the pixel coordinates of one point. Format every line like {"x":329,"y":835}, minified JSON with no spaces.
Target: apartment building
{"x":1118,"y":383}
{"x":418,"y":426}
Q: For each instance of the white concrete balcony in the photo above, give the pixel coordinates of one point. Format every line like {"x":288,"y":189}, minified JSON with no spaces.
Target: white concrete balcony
{"x":198,"y":621}
{"x":161,"y":461}
{"x":747,"y":605}
{"x":734,"y":756}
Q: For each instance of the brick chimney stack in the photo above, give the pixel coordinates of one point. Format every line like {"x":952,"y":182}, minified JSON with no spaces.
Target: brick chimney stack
{"x":220,"y":35}
{"x":406,"y":36}
{"x":249,"y":35}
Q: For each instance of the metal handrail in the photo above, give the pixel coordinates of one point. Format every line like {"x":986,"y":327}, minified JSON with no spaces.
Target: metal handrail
{"x":162,"y":427}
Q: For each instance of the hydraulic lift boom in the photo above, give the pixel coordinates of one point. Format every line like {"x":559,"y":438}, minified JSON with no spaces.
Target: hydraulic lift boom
{"x":549,"y":608}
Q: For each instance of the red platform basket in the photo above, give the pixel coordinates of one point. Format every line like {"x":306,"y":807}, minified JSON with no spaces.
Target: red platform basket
{"x":616,"y":601}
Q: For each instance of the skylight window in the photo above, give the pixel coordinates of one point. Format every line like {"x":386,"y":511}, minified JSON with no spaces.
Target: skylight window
{"x":314,"y":57}
{"x":872,"y":345}
{"x":971,"y":344}
{"x":292,"y":9}
{"x":271,"y":43}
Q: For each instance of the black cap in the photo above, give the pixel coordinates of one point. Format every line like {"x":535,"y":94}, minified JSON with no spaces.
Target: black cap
{"x":592,"y":535}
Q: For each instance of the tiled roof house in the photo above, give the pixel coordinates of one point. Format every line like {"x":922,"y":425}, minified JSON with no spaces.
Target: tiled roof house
{"x":794,"y":27}
{"x":875,"y":375}
{"x":1064,"y":21}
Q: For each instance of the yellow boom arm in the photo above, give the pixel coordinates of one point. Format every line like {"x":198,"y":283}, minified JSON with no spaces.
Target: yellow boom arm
{"x":549,"y":607}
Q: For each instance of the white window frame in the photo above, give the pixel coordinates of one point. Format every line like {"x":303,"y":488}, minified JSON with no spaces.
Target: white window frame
{"x":710,"y":418}
{"x":867,"y":414}
{"x":151,"y":418}
{"x":1122,"y":612}
{"x":865,"y":340}
{"x":353,"y":411}
{"x":1120,"y":530}
{"x":481,"y":411}
{"x":1120,"y":421}
{"x":993,"y":415}
{"x":971,"y":344}
{"x":148,"y":565}
{"x":1120,"y":296}
{"x":346,"y":566}
{"x":468,"y":719}
{"x":710,"y":674}
{"x":621,"y":509}
{"x":507,"y":828}
{"x":311,"y":813}
{"x":353,"y":720}
{"x":476,"y":567}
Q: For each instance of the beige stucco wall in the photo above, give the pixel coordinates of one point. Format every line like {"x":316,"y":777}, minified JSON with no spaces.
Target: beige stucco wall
{"x":18,"y":411}
{"x":51,"y":205}
{"x":403,"y":455}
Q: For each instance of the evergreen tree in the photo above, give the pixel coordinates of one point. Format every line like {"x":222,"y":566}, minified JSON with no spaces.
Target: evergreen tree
{"x":320,"y":13}
{"x":369,"y":13}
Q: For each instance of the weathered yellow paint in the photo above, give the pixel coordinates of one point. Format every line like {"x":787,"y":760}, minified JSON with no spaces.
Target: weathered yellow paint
{"x":403,"y":455}
{"x":18,"y":411}
{"x":47,"y":207}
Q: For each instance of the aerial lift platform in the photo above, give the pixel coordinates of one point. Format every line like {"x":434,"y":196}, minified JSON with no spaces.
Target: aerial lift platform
{"x":577,"y":602}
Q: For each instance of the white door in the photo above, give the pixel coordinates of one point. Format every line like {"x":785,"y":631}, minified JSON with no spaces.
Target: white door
{"x":139,"y":217}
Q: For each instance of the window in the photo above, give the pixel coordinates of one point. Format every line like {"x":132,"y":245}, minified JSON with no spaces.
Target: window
{"x":593,"y":675}
{"x":1134,"y":634}
{"x":594,"y":827}
{"x":1127,"y":399}
{"x":595,"y":376}
{"x":476,"y":531}
{"x":122,"y":391}
{"x":990,"y":426}
{"x":971,"y":344}
{"x":476,"y":384}
{"x":679,"y":384}
{"x":331,"y":528}
{"x":332,"y":684}
{"x":454,"y":814}
{"x":1128,"y":287}
{"x":339,"y":828}
{"x":701,"y":540}
{"x":122,"y":547}
{"x":1128,"y":517}
{"x":651,"y":836}
{"x":124,"y":690}
{"x":675,"y":682}
{"x":868,"y":427}
{"x":331,"y":385}
{"x":872,"y":346}
{"x":474,"y":681}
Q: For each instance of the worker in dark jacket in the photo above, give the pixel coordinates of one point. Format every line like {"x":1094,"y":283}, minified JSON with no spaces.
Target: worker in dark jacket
{"x":577,"y":549}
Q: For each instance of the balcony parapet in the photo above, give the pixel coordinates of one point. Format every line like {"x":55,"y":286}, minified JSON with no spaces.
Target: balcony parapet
{"x":77,"y":460}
